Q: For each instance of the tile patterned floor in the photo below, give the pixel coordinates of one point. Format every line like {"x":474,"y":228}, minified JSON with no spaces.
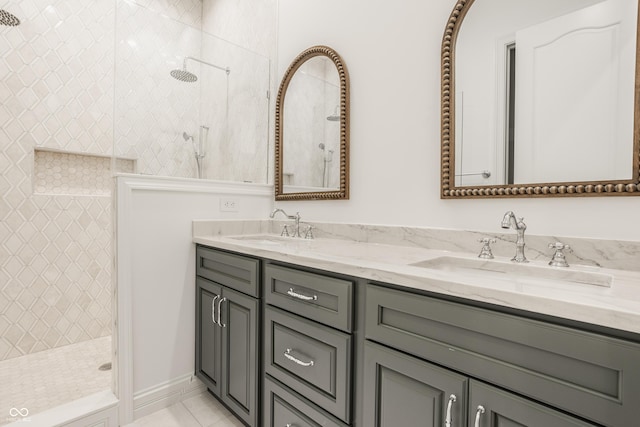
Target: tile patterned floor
{"x":49,"y":378}
{"x":200,"y":411}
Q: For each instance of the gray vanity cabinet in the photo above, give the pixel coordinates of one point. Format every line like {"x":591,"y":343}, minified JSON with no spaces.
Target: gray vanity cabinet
{"x":404,"y":390}
{"x":336,"y":352}
{"x":308,"y":348}
{"x":227,"y":331}
{"x":593,"y":376}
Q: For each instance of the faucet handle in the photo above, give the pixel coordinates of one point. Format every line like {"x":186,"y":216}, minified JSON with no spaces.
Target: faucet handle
{"x":485,"y":252}
{"x":558,"y":259}
{"x":285,"y":231}
{"x":309,"y":233}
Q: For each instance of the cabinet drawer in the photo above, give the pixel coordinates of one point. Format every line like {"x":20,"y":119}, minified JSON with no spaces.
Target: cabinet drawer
{"x":235,"y":271}
{"x":324,"y":299}
{"x":312,"y":359}
{"x":595,"y":376}
{"x":283,"y":407}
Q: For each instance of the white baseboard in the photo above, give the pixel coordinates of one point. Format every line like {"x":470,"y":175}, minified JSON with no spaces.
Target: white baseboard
{"x":164,"y":395}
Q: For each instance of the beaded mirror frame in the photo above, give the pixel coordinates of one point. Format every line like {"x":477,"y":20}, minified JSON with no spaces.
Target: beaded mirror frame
{"x":343,"y":191}
{"x":553,"y":189}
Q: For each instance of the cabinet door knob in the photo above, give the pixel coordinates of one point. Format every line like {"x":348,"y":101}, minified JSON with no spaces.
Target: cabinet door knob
{"x":479,"y":412}
{"x":213,"y":309}
{"x":452,"y":399}
{"x":288,"y":355}
{"x":302,"y":297}
{"x":224,"y":325}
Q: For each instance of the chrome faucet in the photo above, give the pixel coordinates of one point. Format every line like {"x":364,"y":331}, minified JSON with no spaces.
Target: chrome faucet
{"x":296,"y":218}
{"x":509,"y":221}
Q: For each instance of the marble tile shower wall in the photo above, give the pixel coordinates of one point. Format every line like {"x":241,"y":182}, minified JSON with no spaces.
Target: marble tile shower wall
{"x":236,"y":110}
{"x":313,"y":81}
{"x":56,"y":92}
{"x":153,"y":110}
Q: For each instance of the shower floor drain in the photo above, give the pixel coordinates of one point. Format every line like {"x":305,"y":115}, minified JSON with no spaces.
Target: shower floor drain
{"x":105,"y":367}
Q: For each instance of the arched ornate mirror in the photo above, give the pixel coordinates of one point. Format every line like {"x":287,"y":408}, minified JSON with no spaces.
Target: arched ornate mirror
{"x":312,"y":128}
{"x":540,"y":98}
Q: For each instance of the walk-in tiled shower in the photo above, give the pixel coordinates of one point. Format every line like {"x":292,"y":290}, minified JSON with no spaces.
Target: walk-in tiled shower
{"x":85,"y":92}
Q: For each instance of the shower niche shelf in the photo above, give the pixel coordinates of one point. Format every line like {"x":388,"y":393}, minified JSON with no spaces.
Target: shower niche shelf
{"x":67,"y":173}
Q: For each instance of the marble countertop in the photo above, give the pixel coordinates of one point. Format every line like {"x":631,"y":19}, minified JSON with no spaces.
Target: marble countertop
{"x":617,"y":306}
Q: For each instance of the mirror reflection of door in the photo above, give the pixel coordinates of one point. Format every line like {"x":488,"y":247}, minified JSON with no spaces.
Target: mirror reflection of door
{"x":540,"y":84}
{"x":575,"y":92}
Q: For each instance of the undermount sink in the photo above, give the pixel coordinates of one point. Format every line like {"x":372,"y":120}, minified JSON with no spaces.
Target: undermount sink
{"x":519,"y":273}
{"x":262,"y":239}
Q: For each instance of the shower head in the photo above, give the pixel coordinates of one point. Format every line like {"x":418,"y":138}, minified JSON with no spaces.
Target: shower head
{"x":183,"y":75}
{"x":186,"y":76}
{"x":8,"y":19}
{"x":335,"y":117}
{"x":186,"y":136}
{"x":321,"y":145}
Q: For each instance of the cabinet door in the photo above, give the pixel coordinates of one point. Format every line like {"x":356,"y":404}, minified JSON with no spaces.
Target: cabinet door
{"x":240,"y":360}
{"x":492,"y":407}
{"x":208,"y":334}
{"x":400,"y":390}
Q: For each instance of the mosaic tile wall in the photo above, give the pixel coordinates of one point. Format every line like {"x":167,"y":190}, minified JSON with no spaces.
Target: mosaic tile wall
{"x":56,"y":91}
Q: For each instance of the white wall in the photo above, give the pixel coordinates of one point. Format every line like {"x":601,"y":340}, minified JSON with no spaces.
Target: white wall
{"x":392,"y":52}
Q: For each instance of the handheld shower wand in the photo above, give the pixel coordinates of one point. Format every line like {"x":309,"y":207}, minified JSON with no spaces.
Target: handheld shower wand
{"x":198,"y":149}
{"x":327,"y":157}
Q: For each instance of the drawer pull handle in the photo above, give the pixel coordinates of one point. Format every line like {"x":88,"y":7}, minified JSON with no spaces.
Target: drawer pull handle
{"x":213,"y":309}
{"x":291,"y":425}
{"x":220,"y":312}
{"x":294,"y":359}
{"x":452,"y":399}
{"x":294,"y":294}
{"x":479,"y":412}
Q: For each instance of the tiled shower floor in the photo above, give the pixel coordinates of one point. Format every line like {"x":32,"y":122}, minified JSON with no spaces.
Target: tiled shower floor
{"x":49,"y":378}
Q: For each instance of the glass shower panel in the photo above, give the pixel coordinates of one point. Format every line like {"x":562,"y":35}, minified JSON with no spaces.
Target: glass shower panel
{"x":160,"y":122}
{"x":237,"y":114}
{"x":152,"y":109}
